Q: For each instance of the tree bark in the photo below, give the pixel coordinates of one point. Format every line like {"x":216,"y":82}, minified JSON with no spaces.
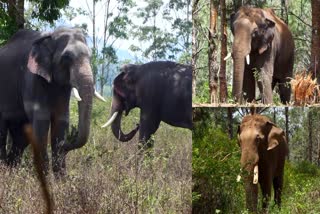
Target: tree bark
{"x":222,"y":74}
{"x":213,"y":53}
{"x":310,"y":136}
{"x":287,"y":128}
{"x":284,"y":11}
{"x":195,"y":45}
{"x":315,"y":43}
{"x":230,"y":122}
{"x":16,"y":12}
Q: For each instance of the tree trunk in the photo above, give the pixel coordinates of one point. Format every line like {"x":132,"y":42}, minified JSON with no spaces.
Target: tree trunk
{"x":16,"y":12}
{"x":287,"y":128}
{"x":213,"y":53}
{"x":222,"y":74}
{"x":230,"y":123}
{"x":94,"y":45}
{"x":310,"y":136}
{"x":315,"y":43}
{"x":195,"y":45}
{"x":284,"y":11}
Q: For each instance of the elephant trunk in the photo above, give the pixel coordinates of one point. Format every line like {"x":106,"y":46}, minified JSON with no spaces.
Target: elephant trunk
{"x":241,"y":54}
{"x":249,"y":164}
{"x":116,"y":123}
{"x":251,"y":190}
{"x":83,"y":80}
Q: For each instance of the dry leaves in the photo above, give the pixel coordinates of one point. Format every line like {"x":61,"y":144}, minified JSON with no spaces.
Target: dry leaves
{"x":305,"y":89}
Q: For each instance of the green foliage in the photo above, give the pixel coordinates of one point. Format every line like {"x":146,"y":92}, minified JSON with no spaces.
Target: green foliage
{"x":162,"y":42}
{"x":215,"y":164}
{"x":49,"y":10}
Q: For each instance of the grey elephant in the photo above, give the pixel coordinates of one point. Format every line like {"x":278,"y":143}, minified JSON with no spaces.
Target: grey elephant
{"x":162,"y":91}
{"x":37,"y":73}
{"x":263,"y":50}
{"x":263,"y":152}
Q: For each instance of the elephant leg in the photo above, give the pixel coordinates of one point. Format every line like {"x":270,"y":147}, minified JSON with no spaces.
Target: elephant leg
{"x":266,"y":193}
{"x":148,"y":126}
{"x":58,"y":130}
{"x":277,"y":186}
{"x":19,"y":143}
{"x":284,"y":92}
{"x":266,"y":87}
{"x":249,"y":88}
{"x":3,"y":140}
{"x":40,"y":129}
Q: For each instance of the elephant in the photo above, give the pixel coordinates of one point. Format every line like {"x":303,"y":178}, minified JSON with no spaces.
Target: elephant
{"x":162,"y":91}
{"x":263,"y":152}
{"x":262,"y":51}
{"x":38,"y":71}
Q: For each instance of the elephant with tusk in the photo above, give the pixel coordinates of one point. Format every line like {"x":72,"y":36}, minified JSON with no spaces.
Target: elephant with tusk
{"x":162,"y":91}
{"x":263,"y":47}
{"x":263,"y":152}
{"x":35,"y":88}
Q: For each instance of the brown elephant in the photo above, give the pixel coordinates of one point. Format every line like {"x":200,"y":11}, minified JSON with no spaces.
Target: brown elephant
{"x":262,"y":51}
{"x":263,"y":151}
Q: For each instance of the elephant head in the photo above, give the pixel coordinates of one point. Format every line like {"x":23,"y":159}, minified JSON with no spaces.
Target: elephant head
{"x":62,"y":58}
{"x":124,"y":99}
{"x":253,"y":32}
{"x":257,"y":135}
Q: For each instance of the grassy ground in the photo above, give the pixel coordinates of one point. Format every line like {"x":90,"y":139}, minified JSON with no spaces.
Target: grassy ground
{"x":107,"y":176}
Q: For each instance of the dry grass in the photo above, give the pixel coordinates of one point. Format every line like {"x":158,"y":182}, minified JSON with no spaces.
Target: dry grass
{"x":305,"y":89}
{"x":107,"y":176}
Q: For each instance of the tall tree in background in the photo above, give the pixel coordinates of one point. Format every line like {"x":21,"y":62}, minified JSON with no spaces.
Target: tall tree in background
{"x":115,"y":26}
{"x":162,"y":41}
{"x":213,"y":66}
{"x":12,"y":14}
{"x":315,"y":43}
{"x":286,"y":112}
{"x":310,"y":128}
{"x":195,"y":45}
{"x":284,"y":11}
{"x":223,"y":54}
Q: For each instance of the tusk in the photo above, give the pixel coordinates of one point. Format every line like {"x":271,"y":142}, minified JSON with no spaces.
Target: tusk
{"x":97,"y":95}
{"x":248,"y":59}
{"x":238,"y":178}
{"x":76,"y":94}
{"x":255,"y":175}
{"x":113,"y":117}
{"x":227,"y":57}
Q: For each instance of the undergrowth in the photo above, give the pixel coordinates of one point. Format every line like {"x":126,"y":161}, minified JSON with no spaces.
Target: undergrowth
{"x":107,"y":176}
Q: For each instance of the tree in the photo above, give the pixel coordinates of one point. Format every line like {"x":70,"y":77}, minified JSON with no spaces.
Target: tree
{"x":195,"y":45}
{"x":315,"y":42}
{"x":223,"y":54}
{"x":115,"y":27}
{"x":213,"y":52}
{"x":287,"y":126}
{"x":164,"y":41}
{"x":12,"y":14}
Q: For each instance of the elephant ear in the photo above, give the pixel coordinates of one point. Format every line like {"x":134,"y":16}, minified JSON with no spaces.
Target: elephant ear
{"x":40,"y":57}
{"x":275,"y":136}
{"x":130,"y":76}
{"x":268,"y":35}
{"x":125,"y":80}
